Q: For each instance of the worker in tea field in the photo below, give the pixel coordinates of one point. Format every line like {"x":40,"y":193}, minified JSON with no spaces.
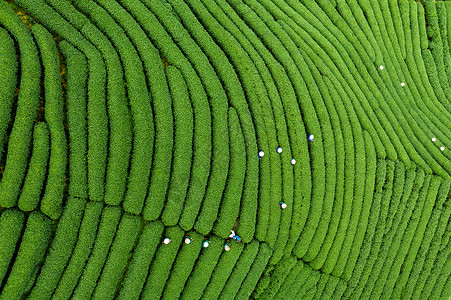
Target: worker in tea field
{"x":283,"y":205}
{"x":166,"y":241}
{"x":237,"y":238}
{"x":205,"y":244}
{"x":227,"y":246}
{"x":188,"y":240}
{"x":311,"y":137}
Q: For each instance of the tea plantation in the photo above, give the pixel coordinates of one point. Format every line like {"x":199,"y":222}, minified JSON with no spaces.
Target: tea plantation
{"x":225,"y":149}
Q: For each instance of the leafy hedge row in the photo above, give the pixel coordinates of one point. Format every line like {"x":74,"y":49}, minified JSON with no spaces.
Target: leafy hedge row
{"x":161,"y":265}
{"x":114,"y":268}
{"x":61,"y":249}
{"x":276,"y":278}
{"x":434,"y":227}
{"x":269,"y":180}
{"x":255,"y":272}
{"x":118,"y":110}
{"x":376,"y":226}
{"x":281,"y":48}
{"x":389,"y":244}
{"x":11,"y":224}
{"x":27,"y":104}
{"x":142,"y":256}
{"x":97,"y":117}
{"x":424,"y":281}
{"x":34,"y":181}
{"x":199,"y":54}
{"x":417,"y":235}
{"x":230,"y":203}
{"x":289,"y":39}
{"x":29,"y":255}
{"x":77,"y":78}
{"x":51,"y":203}
{"x":8,"y":82}
{"x":287,"y":284}
{"x":119,"y":119}
{"x":242,"y":267}
{"x":141,"y":111}
{"x":258,"y":88}
{"x":183,"y":147}
{"x":82,"y":250}
{"x":231,"y":64}
{"x":182,"y":267}
{"x":222,"y":271}
{"x":202,"y":272}
{"x":111,"y":216}
{"x":202,"y":121}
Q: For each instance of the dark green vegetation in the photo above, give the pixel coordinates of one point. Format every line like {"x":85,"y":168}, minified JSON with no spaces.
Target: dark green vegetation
{"x":125,"y":122}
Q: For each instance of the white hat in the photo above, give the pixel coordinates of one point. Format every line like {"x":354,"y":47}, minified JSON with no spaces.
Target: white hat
{"x":261,"y":153}
{"x":283,"y":205}
{"x":187,"y":240}
{"x":279,"y":150}
{"x":232,"y":234}
{"x":442,"y":148}
{"x":166,"y":241}
{"x":226,"y":247}
{"x":205,"y":244}
{"x":293,"y":161}
{"x":381,"y":67}
{"x":434,"y":139}
{"x":403,"y":84}
{"x":310,"y":137}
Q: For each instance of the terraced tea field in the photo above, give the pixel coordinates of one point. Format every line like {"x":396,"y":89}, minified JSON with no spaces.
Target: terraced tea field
{"x":231,"y":149}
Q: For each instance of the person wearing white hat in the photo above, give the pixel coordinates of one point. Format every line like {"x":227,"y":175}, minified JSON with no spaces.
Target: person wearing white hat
{"x":293,"y":161}
{"x":311,"y":137}
{"x":261,"y":154}
{"x":279,"y":150}
{"x":206,"y":243}
{"x":188,"y":240}
{"x":166,"y":241}
{"x":283,"y":205}
{"x":442,"y":148}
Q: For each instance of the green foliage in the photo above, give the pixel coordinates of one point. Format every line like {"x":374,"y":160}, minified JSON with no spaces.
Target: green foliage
{"x":140,"y":262}
{"x":183,"y":266}
{"x":77,"y":77}
{"x":230,"y":203}
{"x":51,"y":203}
{"x":105,"y":235}
{"x":30,"y":254}
{"x":11,"y":223}
{"x":183,"y":148}
{"x":205,"y":264}
{"x":168,"y":104}
{"x":278,"y":277}
{"x":218,"y":104}
{"x":34,"y":181}
{"x":124,"y":242}
{"x":202,"y":122}
{"x":27,"y":104}
{"x":222,"y":271}
{"x":8,"y":81}
{"x":82,"y":250}
{"x":161,"y":266}
{"x":240,"y":271}
{"x":61,"y":249}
